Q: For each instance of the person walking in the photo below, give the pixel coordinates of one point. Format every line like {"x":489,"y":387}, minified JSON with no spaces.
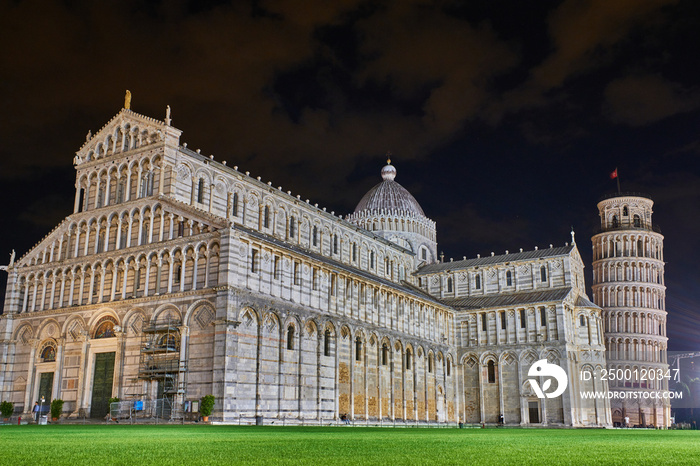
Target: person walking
{"x":35,"y":410}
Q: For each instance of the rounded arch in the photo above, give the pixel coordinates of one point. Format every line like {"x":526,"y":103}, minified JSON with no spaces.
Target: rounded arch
{"x":24,"y":333}
{"x":134,"y":321}
{"x":73,"y":326}
{"x":47,"y":350}
{"x":165,"y":313}
{"x":104,"y":327}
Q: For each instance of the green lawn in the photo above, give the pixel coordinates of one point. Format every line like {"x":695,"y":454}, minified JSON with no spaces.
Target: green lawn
{"x":202,"y":444}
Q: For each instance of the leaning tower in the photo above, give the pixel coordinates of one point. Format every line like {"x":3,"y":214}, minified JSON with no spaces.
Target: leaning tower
{"x":628,"y":283}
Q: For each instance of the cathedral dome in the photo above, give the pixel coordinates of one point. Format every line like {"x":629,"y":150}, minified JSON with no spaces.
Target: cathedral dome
{"x":389,"y":196}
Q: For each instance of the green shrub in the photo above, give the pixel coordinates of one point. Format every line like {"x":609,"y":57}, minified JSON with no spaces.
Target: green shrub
{"x":56,"y":408}
{"x":7,"y":408}
{"x":114,"y":399}
{"x":206,"y":405}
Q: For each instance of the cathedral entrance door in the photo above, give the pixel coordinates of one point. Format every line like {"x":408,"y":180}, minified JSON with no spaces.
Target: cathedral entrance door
{"x":102,"y":380}
{"x":45,"y":390}
{"x":534,"y":409}
{"x":164,"y":400}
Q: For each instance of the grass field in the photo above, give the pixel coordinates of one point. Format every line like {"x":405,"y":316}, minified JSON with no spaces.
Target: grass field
{"x":202,"y":444}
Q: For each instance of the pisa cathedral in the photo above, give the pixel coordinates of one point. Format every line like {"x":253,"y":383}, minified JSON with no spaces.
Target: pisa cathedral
{"x":177,"y":276}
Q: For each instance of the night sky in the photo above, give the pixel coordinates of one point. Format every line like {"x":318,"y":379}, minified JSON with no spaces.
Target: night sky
{"x":504,"y":118}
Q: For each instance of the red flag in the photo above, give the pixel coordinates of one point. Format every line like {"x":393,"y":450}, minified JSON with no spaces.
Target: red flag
{"x":613,"y":175}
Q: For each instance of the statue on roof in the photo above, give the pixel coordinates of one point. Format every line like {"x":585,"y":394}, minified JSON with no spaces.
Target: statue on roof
{"x":88,"y":136}
{"x":167,"y":115}
{"x":12,"y":261}
{"x":127,"y":100}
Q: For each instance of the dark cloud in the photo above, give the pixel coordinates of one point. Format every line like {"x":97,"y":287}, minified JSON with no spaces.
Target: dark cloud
{"x":640,"y":100}
{"x":504,"y":119}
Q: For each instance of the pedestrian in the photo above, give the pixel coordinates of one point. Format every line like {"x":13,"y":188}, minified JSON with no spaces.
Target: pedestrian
{"x":35,"y":410}
{"x":627,"y":421}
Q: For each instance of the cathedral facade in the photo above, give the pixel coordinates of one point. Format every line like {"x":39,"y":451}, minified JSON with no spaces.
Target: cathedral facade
{"x":178,"y":276}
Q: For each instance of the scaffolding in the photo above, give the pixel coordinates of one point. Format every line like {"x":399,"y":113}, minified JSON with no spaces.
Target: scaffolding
{"x":161,"y":362}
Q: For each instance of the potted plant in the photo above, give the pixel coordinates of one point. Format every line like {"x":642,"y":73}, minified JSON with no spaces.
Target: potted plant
{"x":6,"y":408}
{"x":56,"y":409}
{"x":206,"y":405}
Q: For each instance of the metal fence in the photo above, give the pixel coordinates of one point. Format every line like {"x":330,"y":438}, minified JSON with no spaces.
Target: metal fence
{"x":135,"y":410}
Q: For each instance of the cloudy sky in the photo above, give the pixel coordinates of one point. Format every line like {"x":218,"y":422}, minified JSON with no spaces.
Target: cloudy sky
{"x":505,"y":118}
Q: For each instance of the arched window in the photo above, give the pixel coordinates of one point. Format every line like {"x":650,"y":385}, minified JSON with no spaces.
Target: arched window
{"x":105,"y":328}
{"x":292,"y":227}
{"x":276,"y":268}
{"x":168,"y":342}
{"x":335,"y":244}
{"x":200,"y":191}
{"x":543,"y":274}
{"x":371,"y":259}
{"x":449,"y":367}
{"x":100,"y":197}
{"x":354,"y":252}
{"x":290,"y":337}
{"x":101,"y":242}
{"x":327,"y":343}
{"x":385,"y":354}
{"x":503,"y":320}
{"x":637,"y":221}
{"x":625,"y":211}
{"x":483,"y":321}
{"x":266,"y":217}
{"x":509,"y":278}
{"x":449,"y":284}
{"x":234,"y":207}
{"x":615,"y":222}
{"x":582,"y":320}
{"x":48,"y":354}
{"x":477,"y":282}
{"x":254,"y":260}
{"x":408,"y":360}
{"x":295,"y":274}
{"x":358,"y":349}
{"x":82,"y":204}
{"x":640,"y":248}
{"x":523,"y":320}
{"x":430,"y":363}
{"x":121,"y":189}
{"x":543,"y":317}
{"x":315,"y":236}
{"x":491,"y":368}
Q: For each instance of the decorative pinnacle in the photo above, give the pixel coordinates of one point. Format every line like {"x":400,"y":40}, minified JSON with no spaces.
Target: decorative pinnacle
{"x":388,"y":157}
{"x":127,"y":100}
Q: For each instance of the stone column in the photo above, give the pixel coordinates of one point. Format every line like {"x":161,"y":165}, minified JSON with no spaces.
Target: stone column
{"x":118,"y":243}
{"x":29,"y":390}
{"x":76,"y":204}
{"x":195,"y":259}
{"x":107,"y":189}
{"x":118,"y":382}
{"x":80,"y":400}
{"x":58,"y":376}
{"x":184,"y":346}
{"x":161,"y":183}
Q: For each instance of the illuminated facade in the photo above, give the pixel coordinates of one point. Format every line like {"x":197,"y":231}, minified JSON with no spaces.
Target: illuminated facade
{"x":177,"y":276}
